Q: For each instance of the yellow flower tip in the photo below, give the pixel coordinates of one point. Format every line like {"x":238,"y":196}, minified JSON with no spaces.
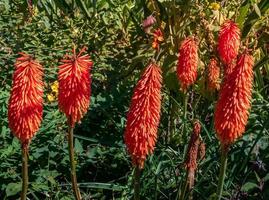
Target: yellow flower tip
{"x":50,"y":97}
{"x":54,"y":87}
{"x":215,"y":6}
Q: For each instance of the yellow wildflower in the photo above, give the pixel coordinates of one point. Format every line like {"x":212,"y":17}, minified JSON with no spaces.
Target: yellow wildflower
{"x":54,"y":87}
{"x":214,"y":6}
{"x":50,"y":97}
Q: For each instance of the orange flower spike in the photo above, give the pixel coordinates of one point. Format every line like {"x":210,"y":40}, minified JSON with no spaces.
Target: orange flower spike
{"x":144,"y":115}
{"x":232,"y":109}
{"x":228,"y":41}
{"x":25,"y":107}
{"x":213,"y":75}
{"x":229,"y":69}
{"x":74,"y":86}
{"x":187,"y":62}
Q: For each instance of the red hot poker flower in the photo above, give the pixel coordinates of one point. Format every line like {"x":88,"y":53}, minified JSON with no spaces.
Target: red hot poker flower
{"x":144,"y":115}
{"x":229,"y":69}
{"x":232,"y":109}
{"x":229,"y":41}
{"x":213,"y":75}
{"x":25,"y":106}
{"x":187,"y":62}
{"x":75,"y":86}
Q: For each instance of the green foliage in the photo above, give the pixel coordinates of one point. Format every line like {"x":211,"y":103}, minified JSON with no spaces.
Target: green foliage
{"x":120,"y":50}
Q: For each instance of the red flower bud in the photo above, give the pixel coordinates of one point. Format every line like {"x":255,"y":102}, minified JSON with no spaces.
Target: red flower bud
{"x":187,"y":62}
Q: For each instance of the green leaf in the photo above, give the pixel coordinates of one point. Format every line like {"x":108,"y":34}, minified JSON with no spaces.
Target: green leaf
{"x":78,"y":146}
{"x":266,"y":178}
{"x":257,"y":10}
{"x":86,"y":138}
{"x":171,"y":81}
{"x":249,"y":186}
{"x":13,"y":188}
{"x":107,"y":186}
{"x":52,"y":180}
{"x":40,"y":187}
{"x":253,"y":17}
{"x":261,"y":62}
{"x":81,"y":4}
{"x":263,"y":38}
{"x":243,"y":11}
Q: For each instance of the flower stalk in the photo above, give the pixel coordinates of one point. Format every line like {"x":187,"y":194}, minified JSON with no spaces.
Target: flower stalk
{"x":74,"y":99}
{"x":24,"y":148}
{"x":185,"y":110}
{"x":184,"y":188}
{"x":25,"y":107}
{"x":223,"y":166}
{"x":72,"y":163}
{"x":137,"y":172}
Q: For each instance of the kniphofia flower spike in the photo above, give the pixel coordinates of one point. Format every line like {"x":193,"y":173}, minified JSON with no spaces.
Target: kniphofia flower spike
{"x":228,"y":41}
{"x":75,"y":86}
{"x":144,"y":115}
{"x":232,"y":109}
{"x":25,"y":107}
{"x":187,"y":62}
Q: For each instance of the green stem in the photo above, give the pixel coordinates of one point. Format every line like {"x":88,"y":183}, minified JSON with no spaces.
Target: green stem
{"x":24,"y":170}
{"x":183,"y":188}
{"x":155,"y":186}
{"x":224,"y":152}
{"x":185,"y":107}
{"x":137,"y":183}
{"x":72,"y":163}
{"x":171,"y":119}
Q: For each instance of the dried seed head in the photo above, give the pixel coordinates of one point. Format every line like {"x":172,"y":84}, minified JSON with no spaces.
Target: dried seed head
{"x":191,"y":160}
{"x":25,"y":105}
{"x":187,"y":62}
{"x":144,"y":115}
{"x":75,"y":86}
{"x":192,"y":154}
{"x":232,"y":109}
{"x":202,"y":149}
